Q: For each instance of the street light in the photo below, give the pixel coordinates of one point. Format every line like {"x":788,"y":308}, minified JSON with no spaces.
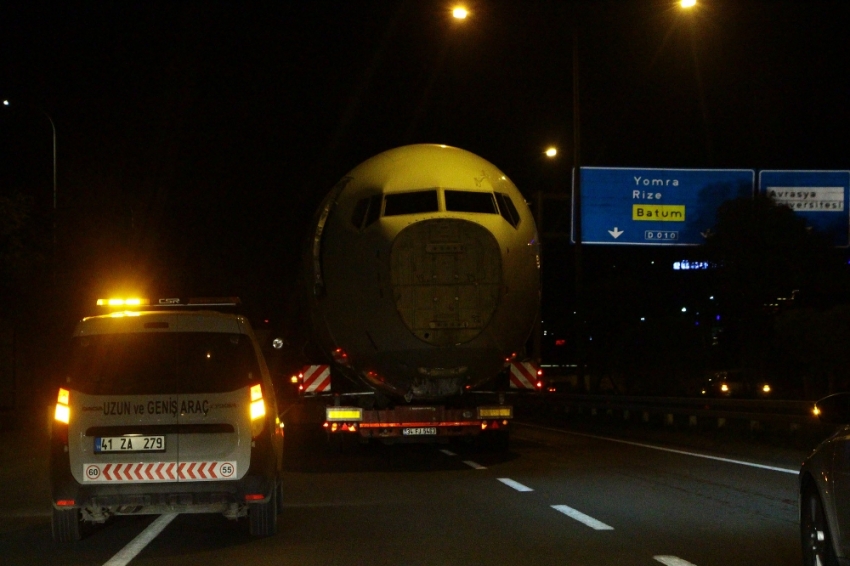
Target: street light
{"x":460,"y":13}
{"x":53,"y":129}
{"x":551,"y":152}
{"x":688,"y":3}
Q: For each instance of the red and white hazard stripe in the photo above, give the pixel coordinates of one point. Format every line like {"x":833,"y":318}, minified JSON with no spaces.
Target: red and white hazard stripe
{"x":317,"y":379}
{"x":159,"y":472}
{"x":523,"y":375}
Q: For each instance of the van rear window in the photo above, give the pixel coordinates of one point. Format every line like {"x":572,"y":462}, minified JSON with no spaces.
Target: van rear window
{"x":161,"y":363}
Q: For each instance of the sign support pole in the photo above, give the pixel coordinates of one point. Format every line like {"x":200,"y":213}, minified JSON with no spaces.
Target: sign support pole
{"x":579,"y":308}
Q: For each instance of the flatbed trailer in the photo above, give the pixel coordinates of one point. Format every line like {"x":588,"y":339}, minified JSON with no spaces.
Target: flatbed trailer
{"x":355,"y":413}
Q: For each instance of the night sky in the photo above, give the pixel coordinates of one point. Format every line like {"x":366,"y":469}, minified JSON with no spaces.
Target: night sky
{"x":196,"y":139}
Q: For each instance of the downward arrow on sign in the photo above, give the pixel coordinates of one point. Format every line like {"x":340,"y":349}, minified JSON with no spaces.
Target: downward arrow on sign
{"x":615,"y":232}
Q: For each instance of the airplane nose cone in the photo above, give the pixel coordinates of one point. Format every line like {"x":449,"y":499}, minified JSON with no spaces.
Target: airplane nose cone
{"x":446,"y":279}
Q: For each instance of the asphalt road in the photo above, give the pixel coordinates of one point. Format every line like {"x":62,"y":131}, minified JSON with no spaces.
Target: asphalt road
{"x":565,"y":498}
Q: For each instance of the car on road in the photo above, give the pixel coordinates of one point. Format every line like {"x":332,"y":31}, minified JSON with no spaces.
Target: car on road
{"x":165,"y":407}
{"x":824,"y":484}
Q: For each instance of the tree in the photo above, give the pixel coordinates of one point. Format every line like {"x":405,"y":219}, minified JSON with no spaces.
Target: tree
{"x":764,"y":252}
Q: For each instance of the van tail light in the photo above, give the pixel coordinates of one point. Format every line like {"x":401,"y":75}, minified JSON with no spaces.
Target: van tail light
{"x":63,"y":411}
{"x":62,"y":414}
{"x":258,"y":410}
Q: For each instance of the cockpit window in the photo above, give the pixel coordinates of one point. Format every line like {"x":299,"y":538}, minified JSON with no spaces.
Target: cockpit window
{"x":367,"y":209}
{"x":374,"y":209}
{"x":507,"y":209}
{"x":410,"y":203}
{"x":469,"y":201}
{"x":359,"y":213}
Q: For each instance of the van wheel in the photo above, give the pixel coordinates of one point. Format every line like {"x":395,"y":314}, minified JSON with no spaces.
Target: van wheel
{"x":66,"y":525}
{"x":279,"y":496}
{"x":262,"y":517}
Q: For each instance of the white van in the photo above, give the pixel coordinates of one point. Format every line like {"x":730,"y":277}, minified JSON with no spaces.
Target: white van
{"x":166,"y":407}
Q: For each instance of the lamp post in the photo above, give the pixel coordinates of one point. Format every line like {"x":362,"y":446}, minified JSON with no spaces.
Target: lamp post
{"x":55,"y":191}
{"x":685,"y":5}
{"x":53,"y":130}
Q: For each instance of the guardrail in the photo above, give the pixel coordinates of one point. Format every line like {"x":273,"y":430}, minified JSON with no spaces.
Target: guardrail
{"x":717,"y":410}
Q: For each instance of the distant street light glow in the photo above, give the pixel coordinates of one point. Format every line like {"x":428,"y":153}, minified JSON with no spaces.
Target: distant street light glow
{"x":551,"y":151}
{"x":460,"y":13}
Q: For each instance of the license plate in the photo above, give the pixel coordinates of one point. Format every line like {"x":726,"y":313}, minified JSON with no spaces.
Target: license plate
{"x":419,"y":431}
{"x":129,"y":444}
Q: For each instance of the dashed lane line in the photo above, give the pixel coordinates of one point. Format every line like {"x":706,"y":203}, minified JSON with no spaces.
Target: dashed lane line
{"x":126,"y":554}
{"x":673,"y":450}
{"x":582,"y":518}
{"x":474,"y":465}
{"x":672,"y":561}
{"x":514,"y":484}
{"x":448,"y":452}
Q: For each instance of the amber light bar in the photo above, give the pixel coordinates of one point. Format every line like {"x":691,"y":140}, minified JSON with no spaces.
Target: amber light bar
{"x":123,"y":302}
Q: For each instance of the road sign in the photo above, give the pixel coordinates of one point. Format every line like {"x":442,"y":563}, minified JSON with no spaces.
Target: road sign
{"x":655,"y":206}
{"x":818,"y":196}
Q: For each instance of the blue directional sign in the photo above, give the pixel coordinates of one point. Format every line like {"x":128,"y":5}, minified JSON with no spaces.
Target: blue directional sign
{"x":818,"y":196}
{"x":659,"y":207}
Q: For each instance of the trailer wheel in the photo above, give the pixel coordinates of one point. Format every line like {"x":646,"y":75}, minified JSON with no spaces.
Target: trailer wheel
{"x":66,"y":525}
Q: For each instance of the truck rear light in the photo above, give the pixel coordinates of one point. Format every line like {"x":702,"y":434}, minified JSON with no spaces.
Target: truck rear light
{"x":254,"y":497}
{"x":499,"y":411}
{"x":65,"y":503}
{"x":343,"y":414}
{"x":63,"y":411}
{"x":341,"y":427}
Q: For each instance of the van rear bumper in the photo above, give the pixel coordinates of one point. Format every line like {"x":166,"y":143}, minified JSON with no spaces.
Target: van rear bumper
{"x":158,"y":497}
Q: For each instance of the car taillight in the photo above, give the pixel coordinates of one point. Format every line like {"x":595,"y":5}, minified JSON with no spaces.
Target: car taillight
{"x":258,"y":410}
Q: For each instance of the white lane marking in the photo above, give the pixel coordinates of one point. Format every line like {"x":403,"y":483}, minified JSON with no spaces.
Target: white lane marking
{"x":140,"y":542}
{"x":514,"y":484}
{"x":673,"y":561}
{"x":673,"y":450}
{"x":473,"y":465}
{"x":582,"y":518}
{"x":448,"y":452}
